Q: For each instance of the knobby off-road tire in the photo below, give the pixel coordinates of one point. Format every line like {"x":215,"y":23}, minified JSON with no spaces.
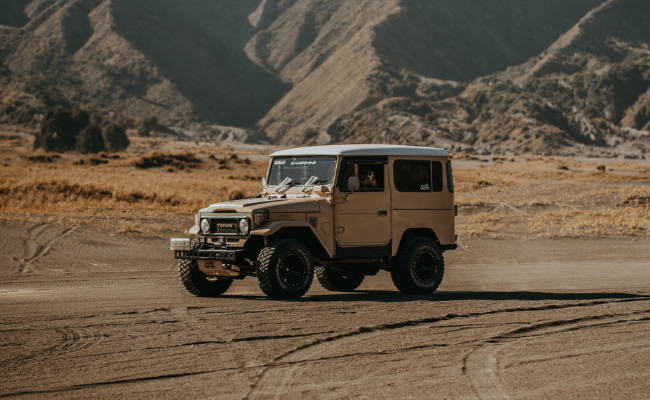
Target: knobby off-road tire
{"x":197,"y":283}
{"x":418,"y":267}
{"x":285,"y":269}
{"x":339,"y":281}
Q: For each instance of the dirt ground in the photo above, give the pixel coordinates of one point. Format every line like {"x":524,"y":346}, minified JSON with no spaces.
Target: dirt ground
{"x":85,"y":313}
{"x":547,"y":296}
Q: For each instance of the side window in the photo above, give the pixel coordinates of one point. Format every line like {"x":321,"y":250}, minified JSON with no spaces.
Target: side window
{"x":450,"y":178}
{"x":412,"y":175}
{"x":436,"y":174}
{"x":370,"y":174}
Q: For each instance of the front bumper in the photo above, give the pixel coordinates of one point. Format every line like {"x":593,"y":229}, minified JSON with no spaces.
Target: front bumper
{"x":199,"y":249}
{"x":225,"y":255}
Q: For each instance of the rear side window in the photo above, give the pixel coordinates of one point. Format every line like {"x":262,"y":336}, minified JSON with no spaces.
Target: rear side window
{"x":412,"y":175}
{"x":450,"y":178}
{"x":436,"y":174}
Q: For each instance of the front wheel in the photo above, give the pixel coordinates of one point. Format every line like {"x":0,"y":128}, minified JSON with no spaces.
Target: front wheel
{"x":285,"y":269}
{"x":198,"y":283}
{"x":418,"y":267}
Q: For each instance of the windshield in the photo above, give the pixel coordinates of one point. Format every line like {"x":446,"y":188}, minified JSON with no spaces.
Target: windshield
{"x":301,"y":171}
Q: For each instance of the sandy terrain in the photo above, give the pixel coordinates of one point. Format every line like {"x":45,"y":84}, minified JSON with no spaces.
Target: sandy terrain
{"x":88,"y":314}
{"x":548,"y":295}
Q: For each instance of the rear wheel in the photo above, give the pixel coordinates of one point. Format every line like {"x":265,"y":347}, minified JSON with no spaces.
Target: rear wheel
{"x":418,"y":267}
{"x":285,"y":269}
{"x":337,"y":280}
{"x":198,"y":283}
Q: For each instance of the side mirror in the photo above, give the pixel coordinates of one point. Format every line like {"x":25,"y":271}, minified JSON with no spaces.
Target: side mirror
{"x":353,"y":183}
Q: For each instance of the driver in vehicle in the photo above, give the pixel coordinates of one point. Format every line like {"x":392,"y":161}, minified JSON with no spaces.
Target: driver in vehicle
{"x":368,"y":179}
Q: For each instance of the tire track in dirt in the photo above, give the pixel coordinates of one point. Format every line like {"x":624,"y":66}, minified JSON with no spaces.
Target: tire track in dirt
{"x":34,"y":251}
{"x":106,"y":383}
{"x":71,"y":343}
{"x":483,"y":366}
{"x":71,"y":340}
{"x":483,"y":369}
{"x":277,"y":374}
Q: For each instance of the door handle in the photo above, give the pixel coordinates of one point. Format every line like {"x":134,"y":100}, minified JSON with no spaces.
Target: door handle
{"x":382,"y":212}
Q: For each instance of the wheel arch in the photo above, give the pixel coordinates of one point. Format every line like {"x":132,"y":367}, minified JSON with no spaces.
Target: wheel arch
{"x":299,"y":230}
{"x":306,"y":235}
{"x":414,"y":232}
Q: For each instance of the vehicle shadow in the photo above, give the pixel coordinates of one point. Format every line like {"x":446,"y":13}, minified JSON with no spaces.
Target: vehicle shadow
{"x":383,"y":296}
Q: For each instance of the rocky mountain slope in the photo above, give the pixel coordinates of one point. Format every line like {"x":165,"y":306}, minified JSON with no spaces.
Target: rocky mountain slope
{"x":589,"y":88}
{"x":499,"y":76}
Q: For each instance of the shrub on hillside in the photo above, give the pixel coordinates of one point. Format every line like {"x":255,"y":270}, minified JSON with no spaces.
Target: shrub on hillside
{"x":65,"y":130}
{"x":147,"y":126}
{"x":60,"y":128}
{"x":90,"y":140}
{"x":80,"y":119}
{"x":57,"y":131}
{"x":115,"y":138}
{"x":178,"y":160}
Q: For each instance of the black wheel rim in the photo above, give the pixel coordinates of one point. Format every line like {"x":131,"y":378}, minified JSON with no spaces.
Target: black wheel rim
{"x":425,"y":267}
{"x":346,"y":275}
{"x":292,"y":270}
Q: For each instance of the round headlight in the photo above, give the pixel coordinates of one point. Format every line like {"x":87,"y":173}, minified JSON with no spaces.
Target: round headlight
{"x":243,"y":226}
{"x":205,"y":226}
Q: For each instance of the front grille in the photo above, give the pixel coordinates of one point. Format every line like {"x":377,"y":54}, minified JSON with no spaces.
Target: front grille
{"x":224,"y":226}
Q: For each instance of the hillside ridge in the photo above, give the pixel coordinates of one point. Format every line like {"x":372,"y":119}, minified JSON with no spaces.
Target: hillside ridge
{"x":503,"y":76}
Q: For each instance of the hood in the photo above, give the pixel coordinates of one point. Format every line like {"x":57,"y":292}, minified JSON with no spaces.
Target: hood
{"x":301,"y":204}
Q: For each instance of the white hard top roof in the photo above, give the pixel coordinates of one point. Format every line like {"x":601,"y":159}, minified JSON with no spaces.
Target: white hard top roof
{"x":362,"y":150}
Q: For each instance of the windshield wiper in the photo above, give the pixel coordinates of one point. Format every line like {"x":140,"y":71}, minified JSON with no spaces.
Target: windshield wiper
{"x":313,"y":181}
{"x":310,"y":181}
{"x":287,"y":182}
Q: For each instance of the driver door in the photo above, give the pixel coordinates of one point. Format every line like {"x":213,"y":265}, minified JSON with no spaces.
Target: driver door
{"x":363,"y":217}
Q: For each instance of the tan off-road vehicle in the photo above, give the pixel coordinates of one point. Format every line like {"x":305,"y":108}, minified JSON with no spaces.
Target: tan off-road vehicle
{"x":341,"y":212}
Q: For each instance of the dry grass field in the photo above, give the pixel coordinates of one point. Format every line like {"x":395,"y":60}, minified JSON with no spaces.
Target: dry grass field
{"x":554,"y":197}
{"x":139,"y":191}
{"x":158,"y":184}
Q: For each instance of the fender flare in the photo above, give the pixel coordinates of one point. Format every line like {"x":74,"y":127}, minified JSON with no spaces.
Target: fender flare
{"x":272,"y":227}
